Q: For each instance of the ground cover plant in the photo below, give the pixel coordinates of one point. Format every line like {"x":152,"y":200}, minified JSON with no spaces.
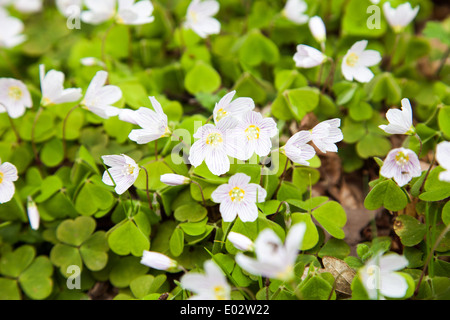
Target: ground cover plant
{"x":226,"y":150}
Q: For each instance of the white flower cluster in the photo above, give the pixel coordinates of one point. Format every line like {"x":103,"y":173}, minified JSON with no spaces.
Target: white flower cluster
{"x":356,"y":62}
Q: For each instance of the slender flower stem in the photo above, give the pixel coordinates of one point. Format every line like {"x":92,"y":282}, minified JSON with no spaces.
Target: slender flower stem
{"x":319,"y":77}
{"x":394,"y":49}
{"x":428,"y":171}
{"x":429,"y":257}
{"x":329,"y":80}
{"x":64,"y":130}
{"x":33,"y":133}
{"x":146,"y":188}
{"x":201,"y":191}
{"x":282,"y":175}
{"x":13,"y":127}
{"x":103,"y":48}
{"x":442,"y":63}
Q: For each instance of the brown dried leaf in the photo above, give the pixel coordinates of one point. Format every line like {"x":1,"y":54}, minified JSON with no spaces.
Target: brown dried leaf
{"x":341,"y":272}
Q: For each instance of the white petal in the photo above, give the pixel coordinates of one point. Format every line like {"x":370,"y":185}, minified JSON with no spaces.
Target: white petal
{"x":393,"y":285}
{"x":7,"y":190}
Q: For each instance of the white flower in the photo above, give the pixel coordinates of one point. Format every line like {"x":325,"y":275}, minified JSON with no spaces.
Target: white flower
{"x":236,"y":108}
{"x":158,"y":261}
{"x":297,"y":148}
{"x":240,"y":241}
{"x":294,"y":10}
{"x":400,"y":122}
{"x":92,"y":61}
{"x":326,"y":134}
{"x":8,"y":174}
{"x":124,"y":172}
{"x":443,"y":157}
{"x":308,"y":57}
{"x":214,"y":145}
{"x":99,"y":11}
{"x":173,"y":179}
{"x":28,"y":6}
{"x":154,"y":124}
{"x":199,"y":17}
{"x":378,"y":276}
{"x":69,"y":7}
{"x":131,"y":13}
{"x":11,"y":29}
{"x":255,"y":133}
{"x":33,"y":214}
{"x":398,"y":18}
{"x":238,"y":197}
{"x":318,"y":29}
{"x":14,"y":96}
{"x":212,"y":285}
{"x":402,"y":165}
{"x":357,"y":60}
{"x":100,"y":97}
{"x":273,"y":259}
{"x":52,"y":87}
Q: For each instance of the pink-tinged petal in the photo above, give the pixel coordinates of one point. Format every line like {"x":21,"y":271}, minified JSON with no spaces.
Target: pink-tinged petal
{"x":241,"y":105}
{"x":221,"y":194}
{"x":347,"y":71}
{"x":107,"y":178}
{"x":393,"y":285}
{"x":213,"y":272}
{"x":443,"y":154}
{"x":124,"y":184}
{"x":393,"y":262}
{"x":69,"y":95}
{"x":369,"y":58}
{"x":239,"y":180}
{"x":143,"y":136}
{"x":359,"y":47}
{"x":397,"y":118}
{"x":114,"y":160}
{"x":128,"y":115}
{"x":195,"y":282}
{"x":217,"y":161}
{"x":363,"y":74}
{"x":294,"y":240}
{"x":9,"y":171}
{"x":256,"y":267}
{"x":197,"y":153}
{"x":268,"y":245}
{"x":228,"y":210}
{"x":444,"y":176}
{"x":7,"y":190}
{"x":208,"y":7}
{"x":247,"y":211}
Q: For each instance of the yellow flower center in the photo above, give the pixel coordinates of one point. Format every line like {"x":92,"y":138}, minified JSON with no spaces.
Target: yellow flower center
{"x":220,"y":114}
{"x":194,"y":16}
{"x":401,"y":158}
{"x":46,"y":101}
{"x":129,"y":169}
{"x":286,"y":274}
{"x":15,"y":93}
{"x":220,"y":293}
{"x":252,"y":132}
{"x":371,"y":270}
{"x":1,"y":177}
{"x":237,"y":194}
{"x":166,"y":133}
{"x":214,"y":139}
{"x":352,"y":59}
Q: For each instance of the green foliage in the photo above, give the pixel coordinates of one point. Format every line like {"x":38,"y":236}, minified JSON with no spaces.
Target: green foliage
{"x":58,"y":151}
